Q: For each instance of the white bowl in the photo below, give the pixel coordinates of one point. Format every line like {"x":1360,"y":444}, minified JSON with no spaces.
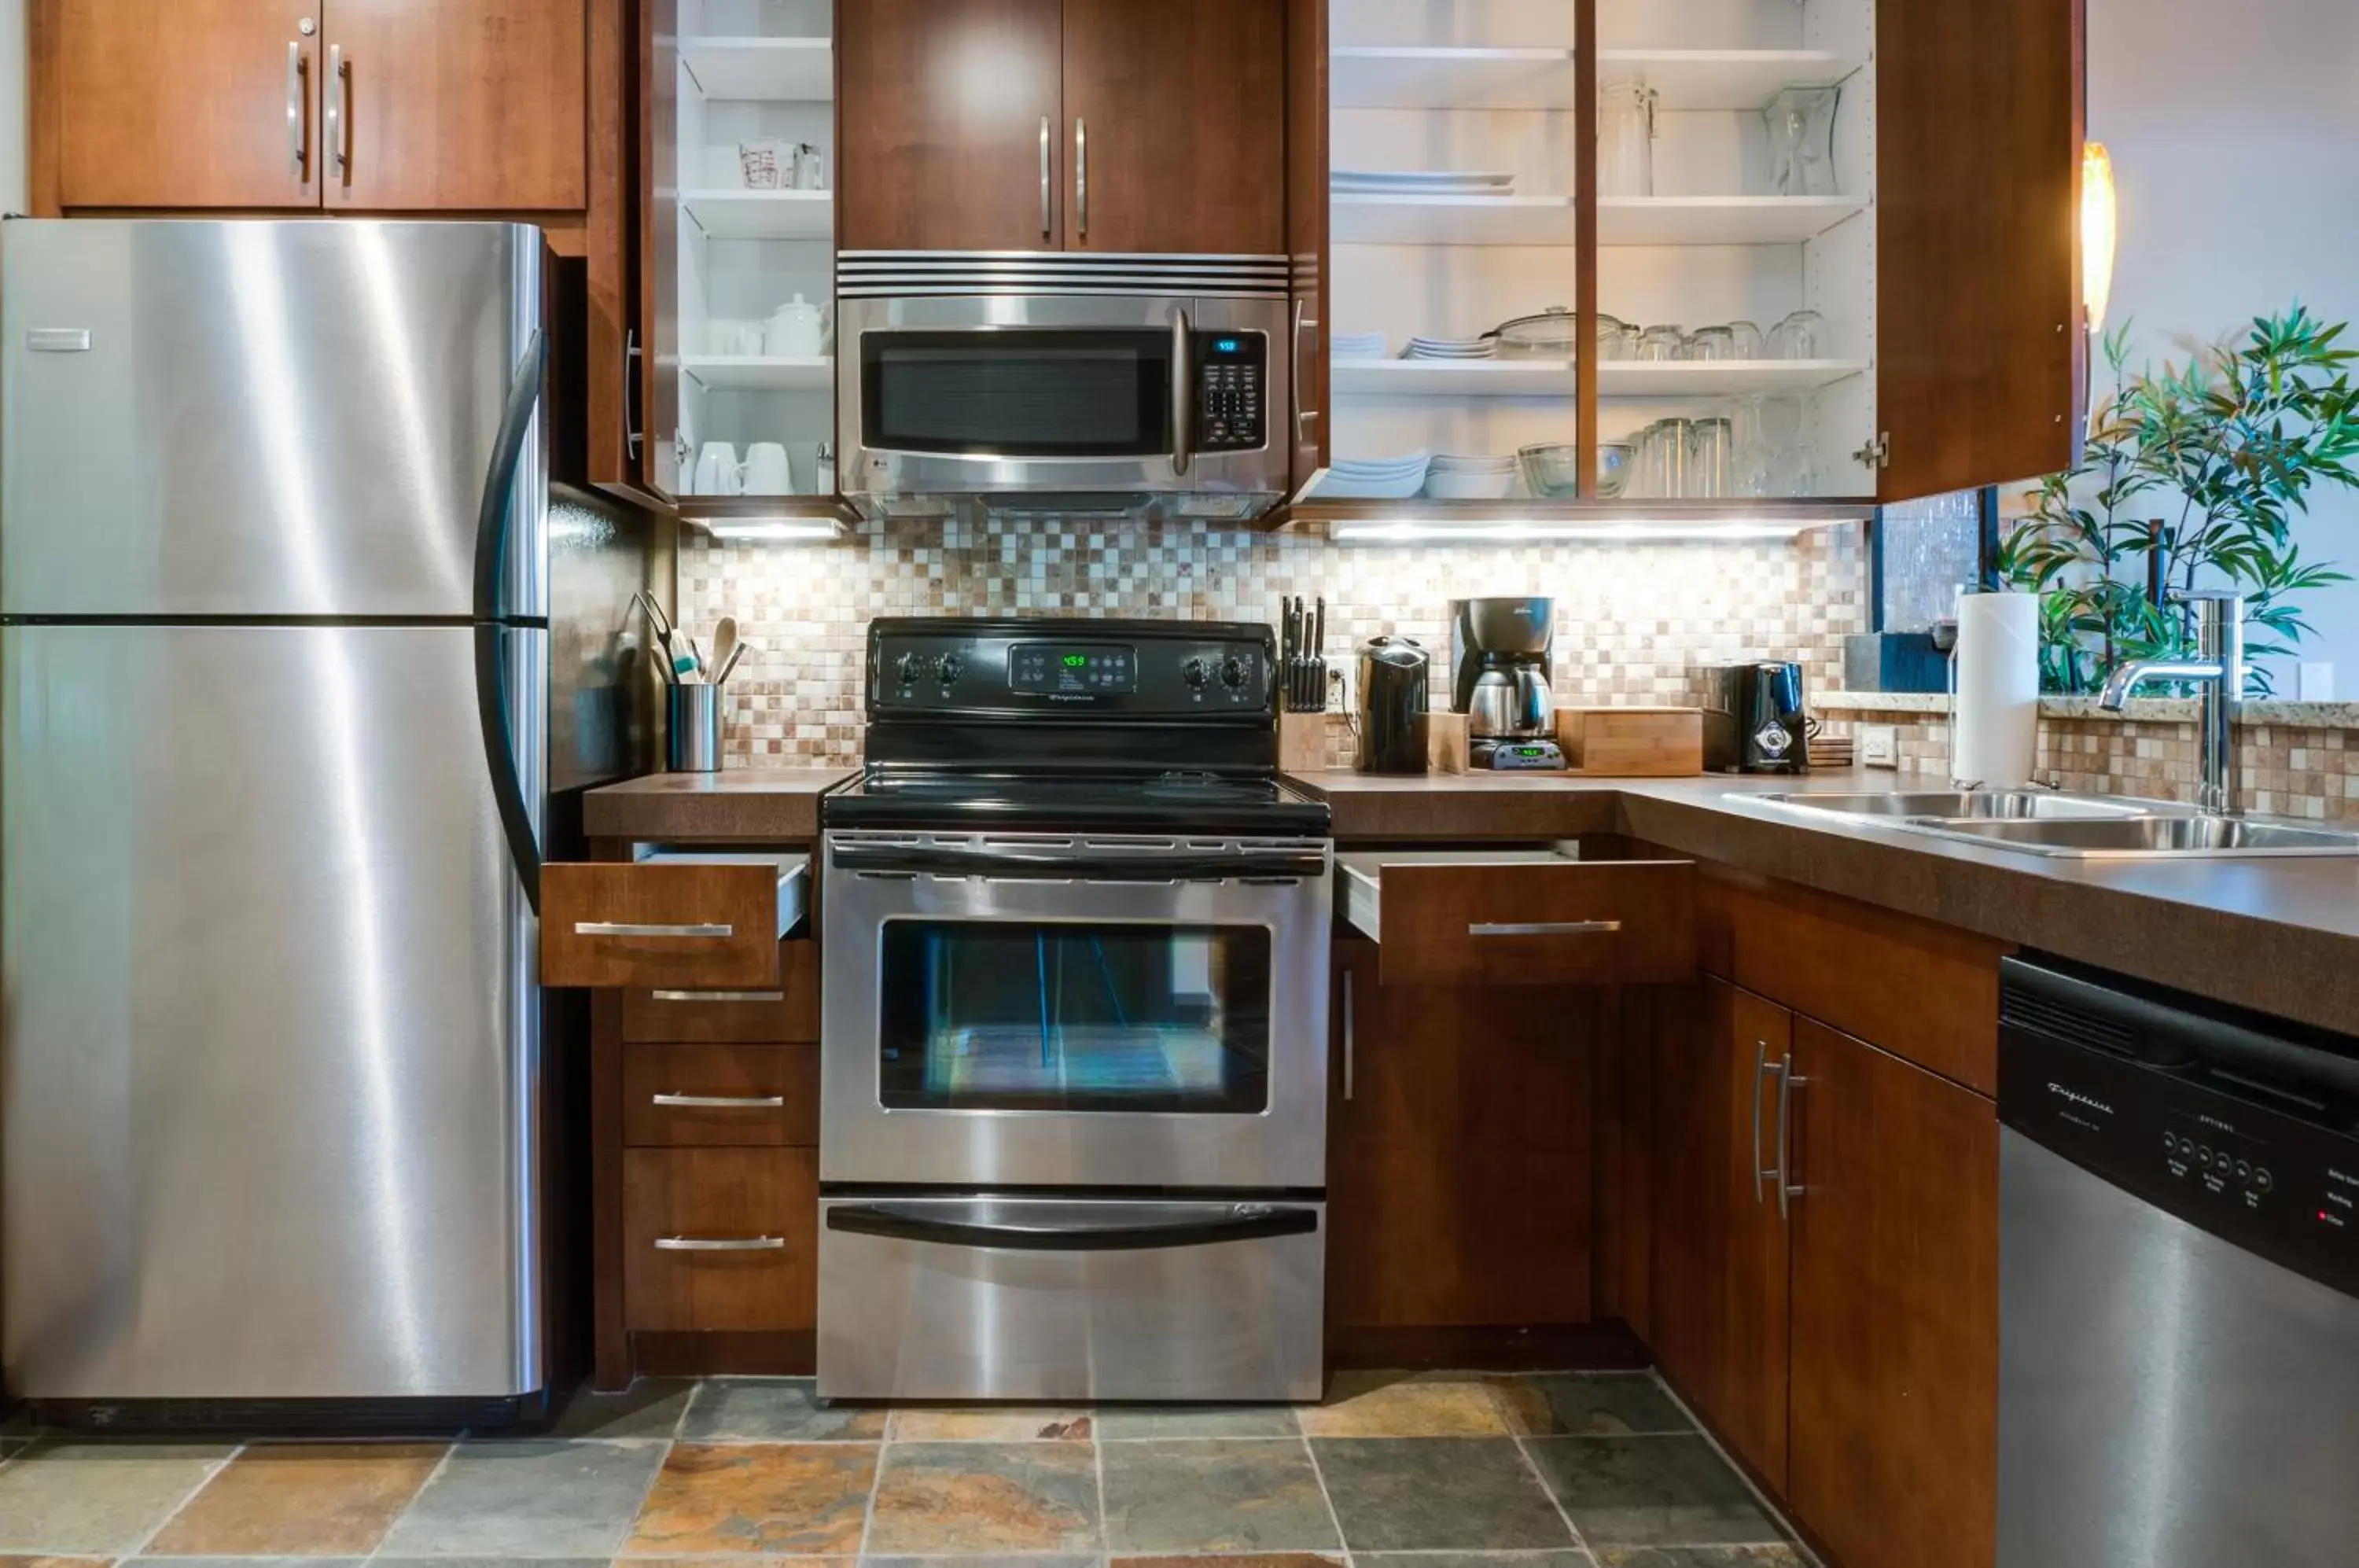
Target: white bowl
{"x":1470,"y":487}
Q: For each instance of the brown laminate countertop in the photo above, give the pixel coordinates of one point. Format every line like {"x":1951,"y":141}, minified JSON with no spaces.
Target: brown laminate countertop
{"x":747,"y":805}
{"x":2280,"y":935}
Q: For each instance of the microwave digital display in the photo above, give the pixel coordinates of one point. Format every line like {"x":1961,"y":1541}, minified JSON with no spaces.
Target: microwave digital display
{"x":1043,"y":668}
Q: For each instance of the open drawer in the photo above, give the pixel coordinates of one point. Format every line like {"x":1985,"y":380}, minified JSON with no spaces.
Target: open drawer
{"x":1520,"y":917}
{"x":680,"y":920}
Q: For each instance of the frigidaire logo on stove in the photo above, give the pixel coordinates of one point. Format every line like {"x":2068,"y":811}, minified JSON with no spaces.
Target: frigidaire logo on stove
{"x":2078,"y":1098}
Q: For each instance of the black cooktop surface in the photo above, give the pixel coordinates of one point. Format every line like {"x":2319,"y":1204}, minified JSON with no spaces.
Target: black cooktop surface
{"x":1176,"y":801}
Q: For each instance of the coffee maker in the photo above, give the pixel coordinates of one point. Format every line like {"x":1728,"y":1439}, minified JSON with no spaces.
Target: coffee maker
{"x":1500,"y":673}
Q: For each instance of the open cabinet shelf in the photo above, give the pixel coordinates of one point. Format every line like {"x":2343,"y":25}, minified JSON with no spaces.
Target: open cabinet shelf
{"x":1720,"y":220}
{"x":1554,"y":377}
{"x":1742,"y":79}
{"x":1450,"y":78}
{"x":1452,"y":220}
{"x":761,"y":71}
{"x":761,"y":372}
{"x":762,"y":214}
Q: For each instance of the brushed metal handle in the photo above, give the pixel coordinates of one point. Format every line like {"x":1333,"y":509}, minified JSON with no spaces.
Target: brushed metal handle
{"x":1762,"y":1068}
{"x":719,"y":996}
{"x":627,"y":928}
{"x":1047,"y":208}
{"x":1081,"y":174}
{"x":633,"y":435}
{"x":299,"y":150}
{"x":721,"y":1102}
{"x":1184,"y":392}
{"x":339,"y":126}
{"x":1350,"y":1052}
{"x":721,"y":1243}
{"x":1294,"y":377}
{"x":1788,"y":1188}
{"x":1545,"y":928}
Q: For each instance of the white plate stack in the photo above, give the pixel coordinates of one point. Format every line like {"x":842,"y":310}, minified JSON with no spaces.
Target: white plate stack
{"x":1360,"y":346}
{"x":1452,"y":348}
{"x":1427,"y":183}
{"x":1375,"y":479}
{"x":1470,"y":478}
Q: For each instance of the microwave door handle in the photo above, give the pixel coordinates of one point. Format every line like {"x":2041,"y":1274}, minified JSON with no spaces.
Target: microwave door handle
{"x":1184,"y":386}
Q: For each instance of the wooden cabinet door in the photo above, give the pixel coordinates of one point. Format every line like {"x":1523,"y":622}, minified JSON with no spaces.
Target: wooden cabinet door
{"x":1458,"y":1162}
{"x":1175,"y":117}
{"x":190,"y":104}
{"x":1895,"y":1416}
{"x":1307,"y":223}
{"x":1720,"y":1301}
{"x":949,"y":112}
{"x":1980,"y":115}
{"x":456,"y":105}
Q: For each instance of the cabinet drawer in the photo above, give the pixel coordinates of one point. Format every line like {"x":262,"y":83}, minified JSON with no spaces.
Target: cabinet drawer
{"x":720,"y":1238}
{"x":1520,"y":917}
{"x":720,"y":1096}
{"x":670,"y":920}
{"x":787,"y":1015}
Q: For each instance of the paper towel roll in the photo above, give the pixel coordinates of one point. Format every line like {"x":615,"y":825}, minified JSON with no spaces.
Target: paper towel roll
{"x":1996,"y":741}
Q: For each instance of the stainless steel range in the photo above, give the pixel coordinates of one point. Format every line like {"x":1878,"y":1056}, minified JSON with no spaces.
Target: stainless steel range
{"x":1073,"y":1138}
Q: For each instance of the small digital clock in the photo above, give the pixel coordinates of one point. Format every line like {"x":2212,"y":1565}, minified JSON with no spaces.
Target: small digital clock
{"x":1071,"y":670}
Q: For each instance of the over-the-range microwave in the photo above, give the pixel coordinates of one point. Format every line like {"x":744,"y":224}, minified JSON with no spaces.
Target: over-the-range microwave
{"x":1148,"y":386}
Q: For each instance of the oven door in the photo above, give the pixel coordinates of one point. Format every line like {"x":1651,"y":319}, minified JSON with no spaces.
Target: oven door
{"x":1034,"y":396}
{"x":1029,"y":1010}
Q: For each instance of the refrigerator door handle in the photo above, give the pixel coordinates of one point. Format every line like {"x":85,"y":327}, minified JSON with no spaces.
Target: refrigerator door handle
{"x":491,"y":670}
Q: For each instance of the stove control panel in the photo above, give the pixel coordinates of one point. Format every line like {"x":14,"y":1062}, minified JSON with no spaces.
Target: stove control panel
{"x":1104,"y":670}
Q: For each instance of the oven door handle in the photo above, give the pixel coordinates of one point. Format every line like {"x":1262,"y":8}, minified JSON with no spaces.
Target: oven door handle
{"x":1252,"y":1224}
{"x":1179,"y":865}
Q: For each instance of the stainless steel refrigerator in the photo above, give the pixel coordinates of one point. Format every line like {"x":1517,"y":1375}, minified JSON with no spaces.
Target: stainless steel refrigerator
{"x":300,"y":654}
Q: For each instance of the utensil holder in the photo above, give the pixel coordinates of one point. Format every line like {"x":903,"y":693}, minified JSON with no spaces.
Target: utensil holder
{"x":692,"y":715}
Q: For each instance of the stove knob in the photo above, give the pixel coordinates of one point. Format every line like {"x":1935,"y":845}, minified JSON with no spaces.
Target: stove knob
{"x":908,"y":667}
{"x":1196,"y":671}
{"x":1232,"y":673}
{"x":953,"y":668}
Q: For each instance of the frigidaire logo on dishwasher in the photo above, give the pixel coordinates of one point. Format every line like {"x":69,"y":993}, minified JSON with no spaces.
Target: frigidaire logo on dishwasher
{"x":2078,"y":1098}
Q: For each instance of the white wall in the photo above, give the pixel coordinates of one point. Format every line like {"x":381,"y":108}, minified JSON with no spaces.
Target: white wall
{"x":2234,"y":132}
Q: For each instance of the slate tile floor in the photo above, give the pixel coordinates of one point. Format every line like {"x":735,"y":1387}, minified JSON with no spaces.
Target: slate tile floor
{"x":1392,"y":1471}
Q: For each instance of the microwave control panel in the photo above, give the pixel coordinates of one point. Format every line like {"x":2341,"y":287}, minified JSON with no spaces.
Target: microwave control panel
{"x":1232,"y":391}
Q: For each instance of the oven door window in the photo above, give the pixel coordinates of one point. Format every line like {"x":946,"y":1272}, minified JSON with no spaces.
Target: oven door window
{"x":1010,"y":1015}
{"x":1017,"y":392}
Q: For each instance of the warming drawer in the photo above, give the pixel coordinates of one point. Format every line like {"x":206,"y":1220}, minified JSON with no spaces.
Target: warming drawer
{"x":671,"y":920}
{"x":1541,"y":916}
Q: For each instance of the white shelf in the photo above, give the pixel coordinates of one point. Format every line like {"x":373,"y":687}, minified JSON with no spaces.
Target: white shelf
{"x":1724,"y":79}
{"x":1554,"y":377}
{"x":762,"y":69}
{"x":761,"y":373}
{"x":1720,"y":220}
{"x":762,"y":214}
{"x":1363,"y":78}
{"x":1452,"y":220}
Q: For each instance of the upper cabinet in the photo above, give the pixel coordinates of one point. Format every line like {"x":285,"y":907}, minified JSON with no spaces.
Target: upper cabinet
{"x":362,"y":105}
{"x":1105,"y":125}
{"x":1774,"y":259}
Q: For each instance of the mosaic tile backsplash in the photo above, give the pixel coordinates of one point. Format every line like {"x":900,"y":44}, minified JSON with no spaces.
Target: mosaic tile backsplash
{"x":1631,"y":618}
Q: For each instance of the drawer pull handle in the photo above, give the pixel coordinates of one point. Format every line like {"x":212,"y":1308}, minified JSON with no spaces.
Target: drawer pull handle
{"x":721,"y":1243}
{"x":1547,"y":928}
{"x":720,"y":996}
{"x":625,"y":927}
{"x":722,"y":1102}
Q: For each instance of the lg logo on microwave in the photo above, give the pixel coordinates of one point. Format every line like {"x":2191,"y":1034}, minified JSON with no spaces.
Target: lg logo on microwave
{"x":2078,"y":1098}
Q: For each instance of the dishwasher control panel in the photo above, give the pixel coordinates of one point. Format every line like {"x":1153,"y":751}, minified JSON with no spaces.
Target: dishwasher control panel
{"x":2207,"y":1144}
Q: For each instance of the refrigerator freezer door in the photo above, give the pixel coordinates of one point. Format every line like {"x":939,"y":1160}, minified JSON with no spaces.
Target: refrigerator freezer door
{"x":269,"y":1064}
{"x":250,"y":419}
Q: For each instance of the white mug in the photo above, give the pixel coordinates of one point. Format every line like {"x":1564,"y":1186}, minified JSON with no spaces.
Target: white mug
{"x":766,"y":470}
{"x":737,"y":337}
{"x":718,"y":472}
{"x":796,"y":330}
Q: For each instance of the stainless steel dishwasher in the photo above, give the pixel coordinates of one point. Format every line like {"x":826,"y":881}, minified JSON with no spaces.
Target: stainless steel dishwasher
{"x":2179,"y":1316}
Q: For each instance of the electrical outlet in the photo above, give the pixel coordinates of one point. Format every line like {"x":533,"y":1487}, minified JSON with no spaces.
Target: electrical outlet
{"x":1879,"y":745}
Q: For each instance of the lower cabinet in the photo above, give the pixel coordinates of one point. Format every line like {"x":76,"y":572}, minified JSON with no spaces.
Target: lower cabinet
{"x":1894,"y":1428}
{"x":721,"y":1239}
{"x":1843,"y":1343}
{"x":1720,"y":1303}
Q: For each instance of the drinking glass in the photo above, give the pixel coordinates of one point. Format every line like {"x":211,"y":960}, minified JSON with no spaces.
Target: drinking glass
{"x":1615,"y":339}
{"x":1709,"y":442}
{"x":1753,"y":460}
{"x":1748,"y":338}
{"x":1713,"y":343}
{"x":1800,"y":336}
{"x":1625,"y":138}
{"x":1660,"y":343}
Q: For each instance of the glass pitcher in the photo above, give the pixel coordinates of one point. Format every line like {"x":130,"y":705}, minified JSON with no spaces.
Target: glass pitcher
{"x":1625,"y":138}
{"x":1801,"y":123}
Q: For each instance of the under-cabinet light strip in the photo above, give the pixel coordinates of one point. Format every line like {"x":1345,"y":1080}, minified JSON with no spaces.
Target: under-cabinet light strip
{"x":1411,"y":532}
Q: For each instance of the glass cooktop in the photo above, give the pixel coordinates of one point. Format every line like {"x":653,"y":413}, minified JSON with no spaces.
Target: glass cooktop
{"x":1147,"y":802}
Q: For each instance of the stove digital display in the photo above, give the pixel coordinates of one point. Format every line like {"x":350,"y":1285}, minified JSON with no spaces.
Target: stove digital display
{"x":1055,"y":670}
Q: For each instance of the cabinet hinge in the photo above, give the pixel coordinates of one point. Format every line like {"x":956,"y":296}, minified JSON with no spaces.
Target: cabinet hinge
{"x":1876,"y":453}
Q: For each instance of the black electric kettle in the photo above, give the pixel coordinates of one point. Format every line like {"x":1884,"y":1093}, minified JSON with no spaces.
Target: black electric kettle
{"x":1396,"y":675}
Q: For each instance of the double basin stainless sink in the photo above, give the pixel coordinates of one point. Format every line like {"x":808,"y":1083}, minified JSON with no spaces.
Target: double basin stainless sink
{"x":2073,"y":826}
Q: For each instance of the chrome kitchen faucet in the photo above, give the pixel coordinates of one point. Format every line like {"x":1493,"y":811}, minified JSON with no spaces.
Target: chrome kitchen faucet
{"x":2220,"y":642}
